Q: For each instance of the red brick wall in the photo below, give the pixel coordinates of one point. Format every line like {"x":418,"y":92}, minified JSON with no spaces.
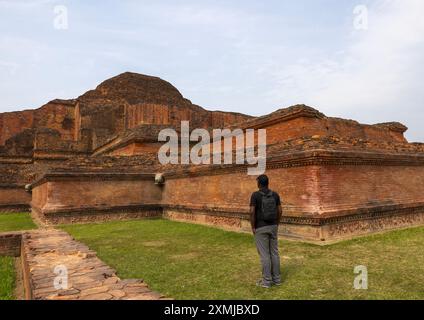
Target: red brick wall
{"x":12,"y":123}
{"x":10,"y":244}
{"x":297,"y":186}
{"x":306,"y":191}
{"x":137,"y":149}
{"x":165,"y":114}
{"x":60,"y":117}
{"x":39,"y":196}
{"x":77,"y":194}
{"x":146,"y":113}
{"x":350,"y":187}
{"x":303,"y":126}
{"x":53,"y":115}
{"x":14,"y":196}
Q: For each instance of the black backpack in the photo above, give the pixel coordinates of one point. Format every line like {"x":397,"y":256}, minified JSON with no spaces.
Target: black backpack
{"x":269,"y":207}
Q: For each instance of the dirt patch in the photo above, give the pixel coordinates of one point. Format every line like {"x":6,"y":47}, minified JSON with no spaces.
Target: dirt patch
{"x":153,"y":243}
{"x":294,"y":257}
{"x":185,"y":256}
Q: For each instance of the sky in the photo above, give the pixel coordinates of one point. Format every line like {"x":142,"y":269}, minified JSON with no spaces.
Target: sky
{"x":355,"y":59}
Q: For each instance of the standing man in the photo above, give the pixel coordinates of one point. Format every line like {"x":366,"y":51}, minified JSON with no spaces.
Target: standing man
{"x":265,"y":215}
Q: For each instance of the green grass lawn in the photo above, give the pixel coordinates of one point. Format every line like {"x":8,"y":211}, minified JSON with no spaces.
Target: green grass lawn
{"x":7,"y":278}
{"x":11,"y":222}
{"x":15,"y":222}
{"x":187,"y":261}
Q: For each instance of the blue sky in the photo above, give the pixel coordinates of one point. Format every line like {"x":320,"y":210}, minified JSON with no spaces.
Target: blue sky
{"x":246,"y":56}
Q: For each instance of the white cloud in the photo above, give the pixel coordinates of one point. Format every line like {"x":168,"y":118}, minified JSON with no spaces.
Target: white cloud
{"x":24,"y":4}
{"x":374,"y":79}
{"x":248,"y":57}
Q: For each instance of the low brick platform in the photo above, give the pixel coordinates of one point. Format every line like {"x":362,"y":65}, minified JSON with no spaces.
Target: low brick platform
{"x":88,"y":277}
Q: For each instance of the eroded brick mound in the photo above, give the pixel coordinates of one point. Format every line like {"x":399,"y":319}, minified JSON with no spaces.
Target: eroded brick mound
{"x":115,"y":126}
{"x":57,"y":114}
{"x":116,"y":105}
{"x":130,"y":99}
{"x":136,"y":88}
{"x":66,"y":133}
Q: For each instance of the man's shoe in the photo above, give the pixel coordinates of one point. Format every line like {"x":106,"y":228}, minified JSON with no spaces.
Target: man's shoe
{"x":262,"y":284}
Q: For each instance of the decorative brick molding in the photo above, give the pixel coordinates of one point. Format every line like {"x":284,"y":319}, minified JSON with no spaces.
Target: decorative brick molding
{"x":101,"y":217}
{"x":318,"y":157}
{"x":8,"y":208}
{"x":15,"y":160}
{"x":97,"y":214}
{"x":348,"y":229}
{"x":370,"y":220}
{"x":59,"y":175}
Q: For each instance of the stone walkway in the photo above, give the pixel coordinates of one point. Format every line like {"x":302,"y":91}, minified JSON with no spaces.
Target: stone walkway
{"x":88,"y":277}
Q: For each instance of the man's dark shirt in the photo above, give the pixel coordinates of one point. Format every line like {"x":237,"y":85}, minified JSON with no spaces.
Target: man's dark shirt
{"x":256,"y":201}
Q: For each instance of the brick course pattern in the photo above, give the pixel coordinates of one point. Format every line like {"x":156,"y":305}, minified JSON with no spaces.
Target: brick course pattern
{"x":10,"y":244}
{"x":94,"y":158}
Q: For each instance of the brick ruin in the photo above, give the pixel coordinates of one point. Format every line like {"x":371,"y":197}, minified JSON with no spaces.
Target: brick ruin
{"x":95,"y":158}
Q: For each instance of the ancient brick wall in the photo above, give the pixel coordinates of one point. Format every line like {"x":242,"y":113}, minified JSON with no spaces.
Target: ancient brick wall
{"x":96,"y":148}
{"x":351,"y":187}
{"x":10,"y":244}
{"x":147,"y":114}
{"x":308,"y":190}
{"x":101,"y":191}
{"x":137,"y":149}
{"x":57,"y":114}
{"x":12,"y":123}
{"x":307,"y":126}
{"x":39,"y":196}
{"x":298,"y":186}
{"x":14,"y":198}
{"x":322,"y":193}
{"x":49,"y":141}
{"x":17,"y":172}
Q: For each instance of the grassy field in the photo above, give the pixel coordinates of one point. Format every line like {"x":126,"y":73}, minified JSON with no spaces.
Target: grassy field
{"x":15,"y":222}
{"x":7,"y":278}
{"x":186,"y":261}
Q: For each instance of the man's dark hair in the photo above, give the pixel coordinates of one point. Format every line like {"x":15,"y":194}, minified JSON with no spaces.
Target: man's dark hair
{"x":263,"y":181}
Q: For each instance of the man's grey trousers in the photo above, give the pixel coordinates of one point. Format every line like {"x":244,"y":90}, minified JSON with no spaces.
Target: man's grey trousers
{"x":266,"y":239}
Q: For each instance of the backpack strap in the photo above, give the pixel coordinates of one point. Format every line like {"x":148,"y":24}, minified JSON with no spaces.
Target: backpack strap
{"x":270,"y":193}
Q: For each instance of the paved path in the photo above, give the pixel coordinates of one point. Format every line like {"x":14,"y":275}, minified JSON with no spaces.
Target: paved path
{"x":89,"y":278}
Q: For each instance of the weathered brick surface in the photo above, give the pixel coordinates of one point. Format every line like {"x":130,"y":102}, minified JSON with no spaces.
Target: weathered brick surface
{"x":10,"y":244}
{"x":34,"y":141}
{"x":57,"y":114}
{"x":91,"y":215}
{"x":325,"y":168}
{"x":12,"y":123}
{"x":69,"y":192}
{"x":14,"y":198}
{"x":301,"y":121}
